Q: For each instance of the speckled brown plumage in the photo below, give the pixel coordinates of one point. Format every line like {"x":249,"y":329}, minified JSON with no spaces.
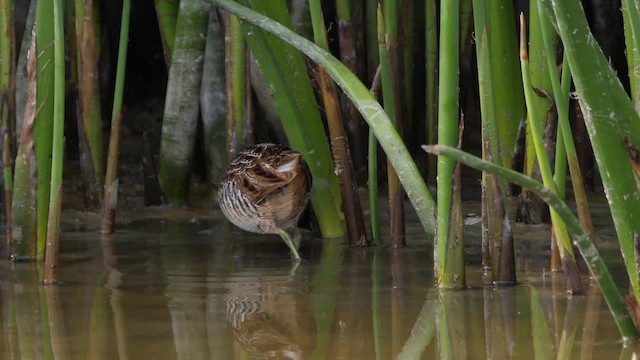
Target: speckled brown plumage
{"x":265,"y":190}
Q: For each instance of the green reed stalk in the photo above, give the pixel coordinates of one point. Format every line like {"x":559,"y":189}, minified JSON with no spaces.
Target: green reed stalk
{"x":111,"y":182}
{"x":560,"y":165}
{"x":391,"y":94}
{"x":449,"y":268}
{"x":466,"y":43}
{"x":55,"y":198}
{"x":407,"y":24}
{"x":43,"y":127}
{"x":631,"y":17}
{"x":182,"y":101}
{"x":371,"y":17}
{"x":580,"y":237}
{"x":497,"y":238}
{"x":373,"y":170}
{"x":431,"y":82}
{"x":339,"y":145}
{"x":373,"y":188}
{"x":560,"y":168}
{"x":167,"y":13}
{"x":560,"y":231}
{"x":213,"y":100}
{"x":539,"y":62}
{"x":7,"y":60}
{"x":456,"y":218}
{"x":565,"y":87}
{"x":343,"y":14}
{"x":485,"y":80}
{"x":505,"y":71}
{"x":24,"y":207}
{"x":285,"y":71}
{"x":538,"y":66}
{"x":389,"y":108}
{"x":565,"y":139}
{"x":7,"y":102}
{"x":71,"y":41}
{"x":90,"y":121}
{"x":612,"y":122}
{"x":370,"y":109}
{"x":8,"y":184}
{"x":301,"y":18}
{"x":349,"y":48}
{"x":390,"y":10}
{"x":238,"y":77}
{"x":22,"y":81}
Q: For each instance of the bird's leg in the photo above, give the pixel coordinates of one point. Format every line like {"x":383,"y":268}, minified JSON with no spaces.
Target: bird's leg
{"x":297,"y":236}
{"x":290,"y":242}
{"x":294,"y":268}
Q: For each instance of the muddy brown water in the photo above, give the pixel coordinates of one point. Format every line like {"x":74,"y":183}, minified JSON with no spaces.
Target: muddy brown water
{"x":195,"y":288}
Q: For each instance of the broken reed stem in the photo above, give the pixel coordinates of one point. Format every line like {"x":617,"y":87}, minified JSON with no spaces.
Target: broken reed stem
{"x":111,"y":180}
{"x":339,"y":144}
{"x":343,"y":165}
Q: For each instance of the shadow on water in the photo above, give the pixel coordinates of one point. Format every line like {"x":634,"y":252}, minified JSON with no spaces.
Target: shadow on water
{"x":201,"y":290}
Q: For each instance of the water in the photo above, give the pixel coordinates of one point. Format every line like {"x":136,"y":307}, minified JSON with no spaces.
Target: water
{"x":197,"y":289}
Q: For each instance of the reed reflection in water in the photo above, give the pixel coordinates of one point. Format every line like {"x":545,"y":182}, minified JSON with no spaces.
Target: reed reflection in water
{"x":179,"y":290}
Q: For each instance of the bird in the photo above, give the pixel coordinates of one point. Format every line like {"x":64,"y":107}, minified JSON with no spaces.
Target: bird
{"x":265,"y":190}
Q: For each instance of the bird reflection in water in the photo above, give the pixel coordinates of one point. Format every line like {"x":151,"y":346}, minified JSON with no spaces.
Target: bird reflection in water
{"x":271,"y":316}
